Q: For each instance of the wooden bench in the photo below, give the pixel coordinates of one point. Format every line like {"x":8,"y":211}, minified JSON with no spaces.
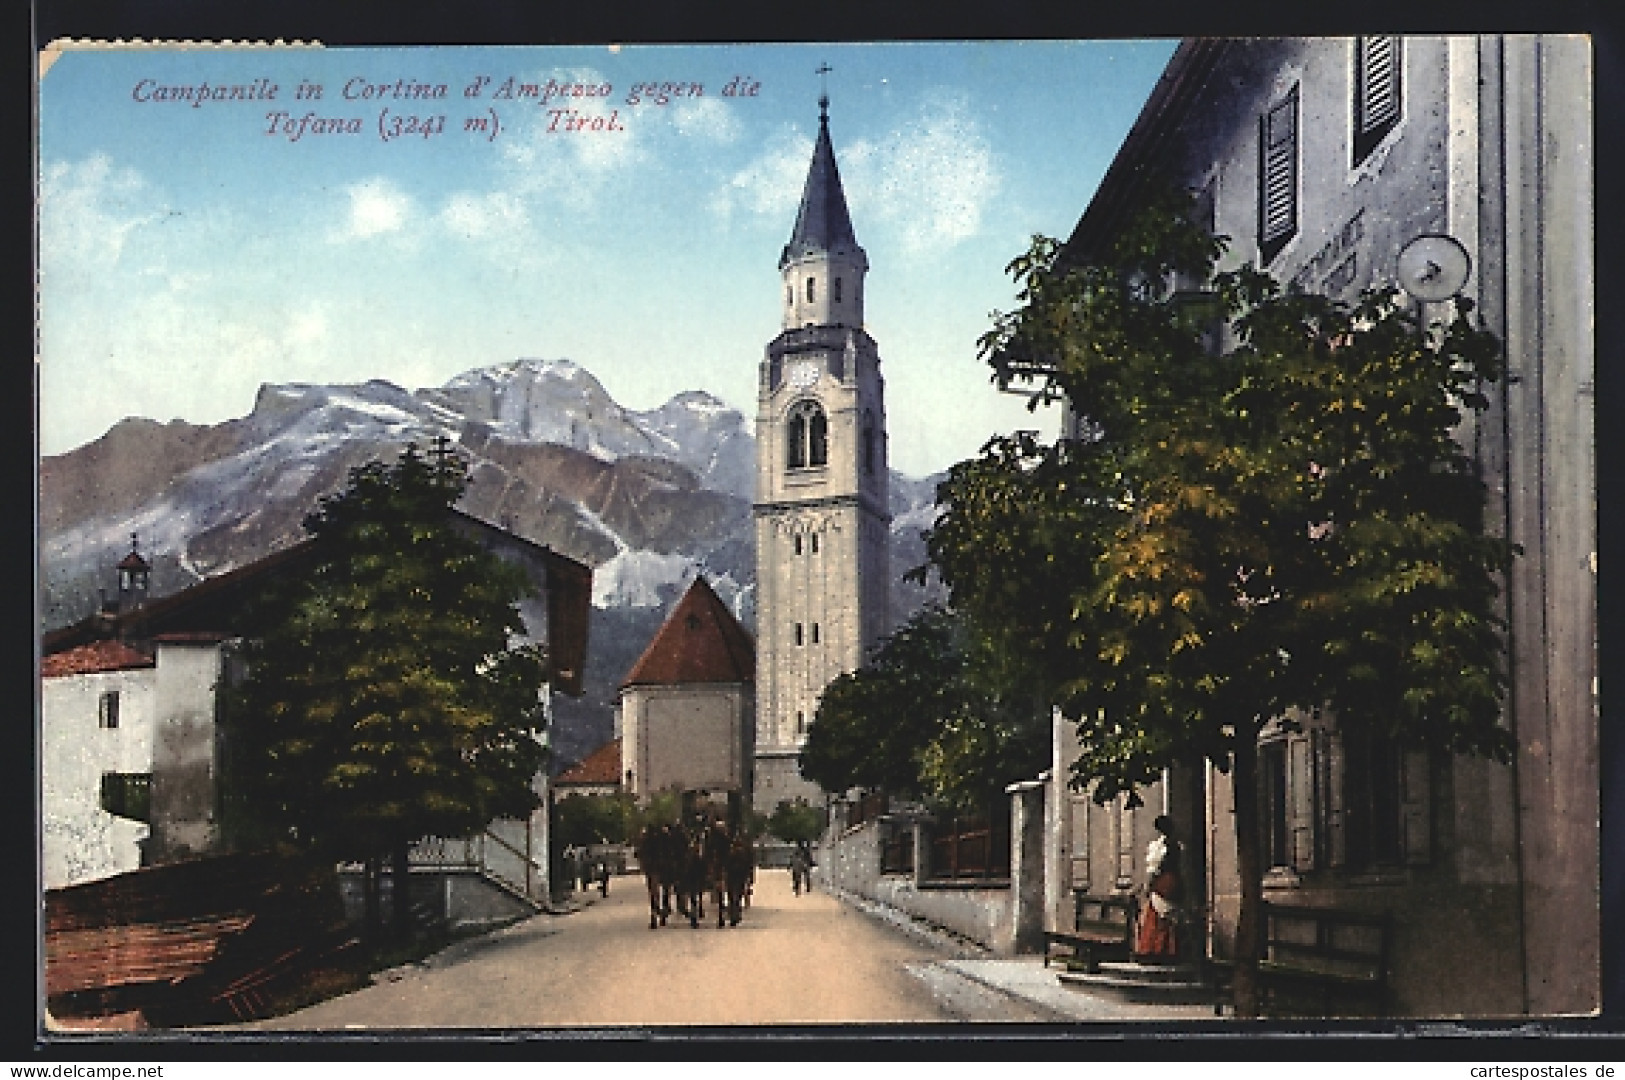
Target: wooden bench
{"x":1324,"y":957}
{"x":1102,"y":929}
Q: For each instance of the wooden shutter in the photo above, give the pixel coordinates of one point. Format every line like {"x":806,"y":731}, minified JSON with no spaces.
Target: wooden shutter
{"x":1300,"y":787}
{"x":1125,"y":841}
{"x":1278,"y":177}
{"x":1336,"y":800}
{"x":1079,"y":840}
{"x":1377,"y":100}
{"x":1415,"y":794}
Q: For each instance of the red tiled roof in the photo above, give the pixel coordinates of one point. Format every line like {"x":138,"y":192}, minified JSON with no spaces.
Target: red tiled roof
{"x":96,"y":657}
{"x":602,"y":766}
{"x":700,"y":642}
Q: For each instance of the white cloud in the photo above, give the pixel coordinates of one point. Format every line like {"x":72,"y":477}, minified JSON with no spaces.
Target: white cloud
{"x":705,"y":118}
{"x":377,"y":207}
{"x":930,"y":179}
{"x":88,"y":213}
{"x":478,"y":217}
{"x":771,"y":184}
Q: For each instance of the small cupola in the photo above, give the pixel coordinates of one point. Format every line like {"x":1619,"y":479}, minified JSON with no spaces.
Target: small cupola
{"x":134,"y":576}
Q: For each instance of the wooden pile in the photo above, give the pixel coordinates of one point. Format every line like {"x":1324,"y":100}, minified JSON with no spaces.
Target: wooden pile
{"x":200,"y":941}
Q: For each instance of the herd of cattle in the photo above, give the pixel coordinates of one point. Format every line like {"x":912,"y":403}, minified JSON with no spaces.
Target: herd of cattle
{"x":682,"y":863}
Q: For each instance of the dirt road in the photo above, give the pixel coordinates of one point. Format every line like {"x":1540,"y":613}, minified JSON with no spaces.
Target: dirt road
{"x":793,"y":959}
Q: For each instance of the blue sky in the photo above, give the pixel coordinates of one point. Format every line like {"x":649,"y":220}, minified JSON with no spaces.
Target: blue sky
{"x":189,"y":254}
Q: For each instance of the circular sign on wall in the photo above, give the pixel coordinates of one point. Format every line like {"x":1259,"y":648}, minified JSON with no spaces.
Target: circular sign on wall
{"x":1433,"y":267}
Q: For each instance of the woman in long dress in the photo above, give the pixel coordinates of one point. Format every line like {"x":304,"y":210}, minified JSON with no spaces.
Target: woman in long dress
{"x":1155,"y":939}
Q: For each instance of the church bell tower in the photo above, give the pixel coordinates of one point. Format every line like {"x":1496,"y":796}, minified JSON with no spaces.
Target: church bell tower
{"x":822,"y":523}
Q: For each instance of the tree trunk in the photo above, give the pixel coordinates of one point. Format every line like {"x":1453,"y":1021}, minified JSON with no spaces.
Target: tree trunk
{"x":372,"y":919}
{"x":1249,"y":866}
{"x":401,"y":909}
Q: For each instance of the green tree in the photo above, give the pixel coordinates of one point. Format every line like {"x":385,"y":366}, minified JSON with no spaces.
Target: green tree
{"x":593,"y":819}
{"x":385,"y":698}
{"x":798,"y":820}
{"x":933,"y":715}
{"x":1232,"y":535}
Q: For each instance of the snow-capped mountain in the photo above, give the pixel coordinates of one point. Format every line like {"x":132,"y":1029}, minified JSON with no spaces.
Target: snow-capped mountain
{"x":647,"y":499}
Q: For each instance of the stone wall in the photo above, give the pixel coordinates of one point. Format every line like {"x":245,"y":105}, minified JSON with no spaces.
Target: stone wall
{"x":1005,"y":916}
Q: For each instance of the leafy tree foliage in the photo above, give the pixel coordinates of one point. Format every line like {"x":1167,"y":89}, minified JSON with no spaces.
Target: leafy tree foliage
{"x":792,"y":821}
{"x":1262,"y":512}
{"x":580,"y":820}
{"x":386,"y":698}
{"x":932,"y":715}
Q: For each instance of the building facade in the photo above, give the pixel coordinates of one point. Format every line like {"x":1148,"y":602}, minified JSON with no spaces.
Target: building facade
{"x":137,"y":749}
{"x":686,"y":714}
{"x":822,"y":519}
{"x":1322,"y":160}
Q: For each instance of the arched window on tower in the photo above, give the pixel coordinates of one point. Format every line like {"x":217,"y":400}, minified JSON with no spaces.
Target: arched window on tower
{"x":818,"y":439}
{"x":796,"y":436}
{"x":812,"y":290}
{"x":807,"y":436}
{"x":868,"y":441}
{"x":835,"y":293}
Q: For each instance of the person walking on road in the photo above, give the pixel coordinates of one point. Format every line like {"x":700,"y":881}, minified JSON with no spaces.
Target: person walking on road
{"x":801,"y":864}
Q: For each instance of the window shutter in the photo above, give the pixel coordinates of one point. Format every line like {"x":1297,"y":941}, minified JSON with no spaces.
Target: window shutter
{"x":1278,"y":184}
{"x":1416,"y":825}
{"x":1125,"y":842}
{"x":1336,"y":802}
{"x":1300,"y":764}
{"x":1080,"y":841}
{"x":1379,"y":92}
{"x":1378,"y":102}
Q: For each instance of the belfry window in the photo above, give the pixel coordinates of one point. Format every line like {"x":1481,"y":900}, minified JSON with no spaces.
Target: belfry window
{"x":812,"y":290}
{"x":835,"y":293}
{"x":868,"y":441}
{"x":807,"y":435}
{"x":798,"y":543}
{"x":798,"y":634}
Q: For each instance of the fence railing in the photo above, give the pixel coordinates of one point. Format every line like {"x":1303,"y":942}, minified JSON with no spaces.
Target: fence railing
{"x":866,"y":809}
{"x":897,"y":850}
{"x":971,"y":848}
{"x":489,"y":853}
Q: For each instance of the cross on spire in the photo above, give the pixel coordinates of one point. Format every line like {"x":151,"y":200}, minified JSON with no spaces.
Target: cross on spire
{"x":823,"y":91}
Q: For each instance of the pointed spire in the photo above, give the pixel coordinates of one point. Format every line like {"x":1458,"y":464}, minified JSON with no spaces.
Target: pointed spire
{"x":823,"y":223}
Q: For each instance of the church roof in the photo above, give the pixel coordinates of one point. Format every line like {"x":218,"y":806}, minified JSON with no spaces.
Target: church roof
{"x":602,"y":766}
{"x":94,"y":658}
{"x":823,"y":223}
{"x":700,"y":642}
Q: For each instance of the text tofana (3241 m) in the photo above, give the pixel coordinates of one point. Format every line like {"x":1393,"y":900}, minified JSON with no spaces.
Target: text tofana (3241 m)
{"x":412,"y":108}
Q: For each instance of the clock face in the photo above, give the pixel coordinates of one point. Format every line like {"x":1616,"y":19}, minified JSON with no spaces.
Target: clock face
{"x":803,"y":374}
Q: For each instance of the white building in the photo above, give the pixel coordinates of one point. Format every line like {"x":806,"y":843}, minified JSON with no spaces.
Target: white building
{"x":97,"y":708}
{"x":686,"y":712}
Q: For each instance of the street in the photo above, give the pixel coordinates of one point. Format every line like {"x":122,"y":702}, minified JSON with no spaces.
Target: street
{"x":792,"y":960}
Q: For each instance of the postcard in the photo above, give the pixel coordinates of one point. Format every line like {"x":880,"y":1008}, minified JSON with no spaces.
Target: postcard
{"x":712,"y":355}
